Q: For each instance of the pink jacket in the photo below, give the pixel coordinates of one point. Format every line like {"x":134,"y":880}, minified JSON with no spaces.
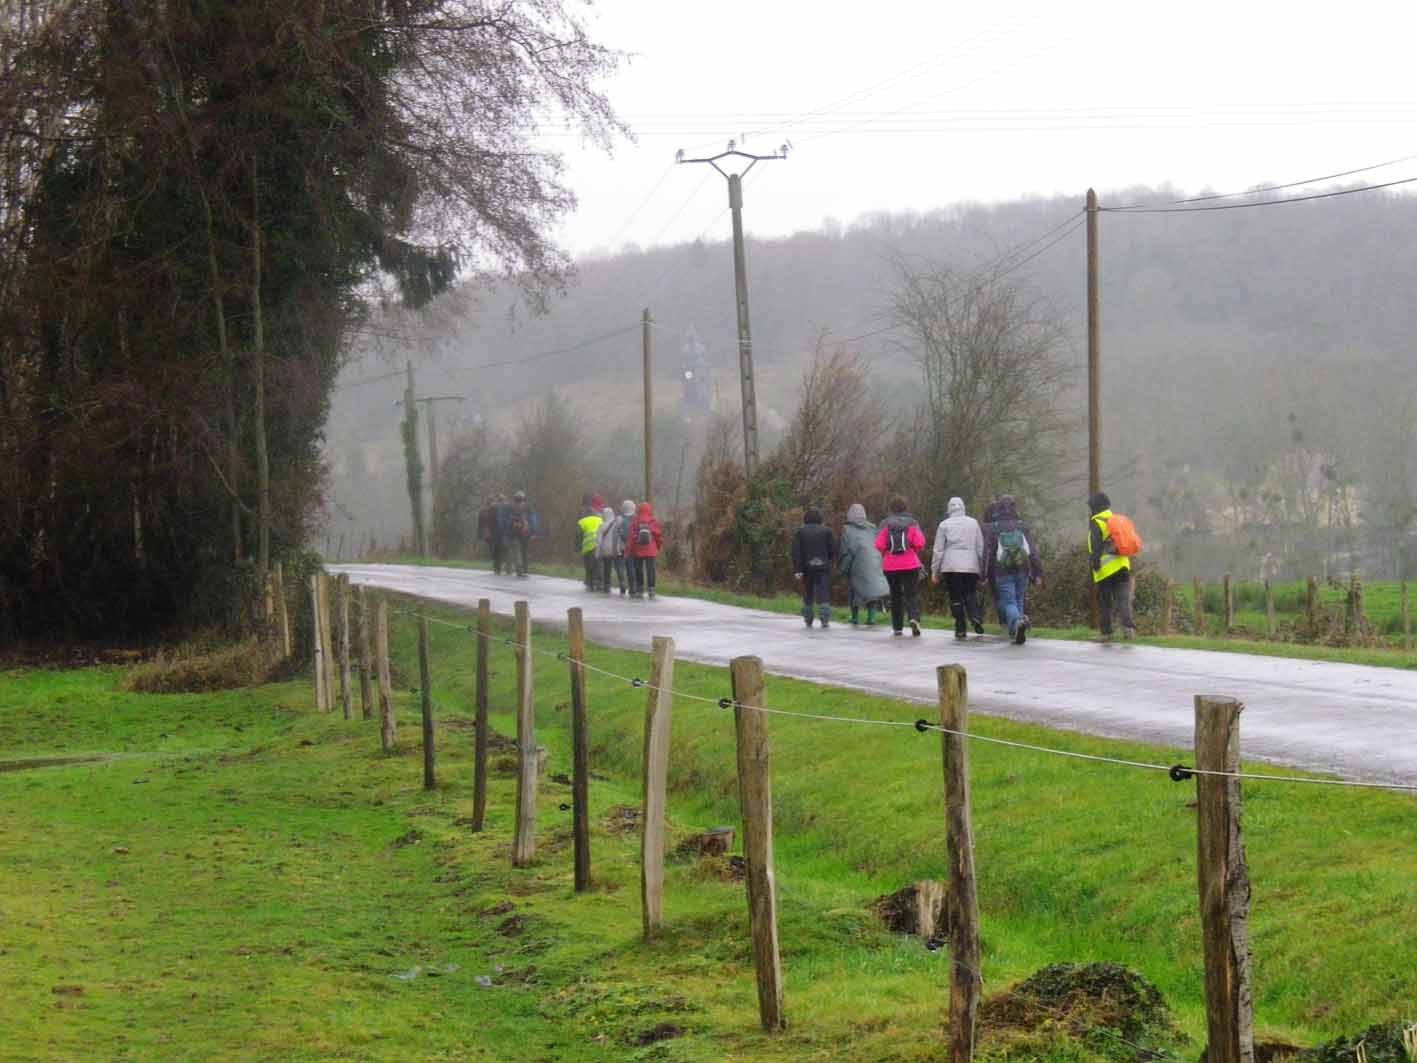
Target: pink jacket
{"x":908,"y":561}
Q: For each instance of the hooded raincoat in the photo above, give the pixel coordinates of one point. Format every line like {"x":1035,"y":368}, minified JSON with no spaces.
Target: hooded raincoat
{"x":860,"y":561}
{"x":959,"y":543}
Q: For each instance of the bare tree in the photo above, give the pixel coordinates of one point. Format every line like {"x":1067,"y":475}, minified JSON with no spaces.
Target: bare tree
{"x":991,"y":367}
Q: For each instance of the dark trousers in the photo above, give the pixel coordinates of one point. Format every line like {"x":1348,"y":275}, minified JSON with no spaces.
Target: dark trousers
{"x":519,"y":555}
{"x":963,"y":588}
{"x":642,"y":582}
{"x":905,"y":597}
{"x":1114,"y":598}
{"x":498,"y":547}
{"x":816,"y":591}
{"x":609,"y":565}
{"x":592,"y":570}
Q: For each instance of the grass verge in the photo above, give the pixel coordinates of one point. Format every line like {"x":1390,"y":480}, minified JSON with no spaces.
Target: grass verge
{"x":241,"y":878}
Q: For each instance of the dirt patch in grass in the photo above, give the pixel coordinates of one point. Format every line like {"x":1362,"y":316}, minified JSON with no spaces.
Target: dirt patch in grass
{"x":47,"y":762}
{"x":665,"y":1031}
{"x":1113,"y":1010}
{"x":622,"y":819}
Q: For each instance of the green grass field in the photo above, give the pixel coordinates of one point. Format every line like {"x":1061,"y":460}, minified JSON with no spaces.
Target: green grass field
{"x":241,"y":878}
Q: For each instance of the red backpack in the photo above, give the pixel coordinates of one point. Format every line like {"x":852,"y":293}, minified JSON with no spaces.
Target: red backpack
{"x":1123,"y":534}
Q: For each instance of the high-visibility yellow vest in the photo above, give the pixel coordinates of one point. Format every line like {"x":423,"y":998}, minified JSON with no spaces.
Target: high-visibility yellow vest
{"x":1111,"y":561}
{"x":590,"y":528}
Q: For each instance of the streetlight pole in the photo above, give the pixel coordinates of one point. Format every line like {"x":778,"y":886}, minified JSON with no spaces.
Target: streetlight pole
{"x":740,"y":285}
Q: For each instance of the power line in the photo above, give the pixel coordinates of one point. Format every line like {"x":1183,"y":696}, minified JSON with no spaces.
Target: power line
{"x":642,"y":204}
{"x":555,"y":352}
{"x":1276,"y":188}
{"x":1048,"y":246}
{"x":1256,"y":203}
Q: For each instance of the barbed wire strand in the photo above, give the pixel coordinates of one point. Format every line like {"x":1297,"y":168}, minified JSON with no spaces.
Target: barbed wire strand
{"x":1178,"y":772}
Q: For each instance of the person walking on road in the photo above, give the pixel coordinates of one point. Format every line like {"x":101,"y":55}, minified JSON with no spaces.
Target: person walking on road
{"x":1013,"y":560}
{"x":623,"y":523}
{"x":861,"y":564}
{"x":587,"y":539}
{"x":646,"y":540}
{"x":522,"y":526}
{"x":610,"y":550}
{"x":813,"y":551}
{"x":899,"y":543}
{"x":492,"y":522}
{"x":1111,"y":571}
{"x":959,"y":558}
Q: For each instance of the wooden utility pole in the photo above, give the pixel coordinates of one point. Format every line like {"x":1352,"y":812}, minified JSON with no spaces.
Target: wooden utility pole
{"x":646,"y":342}
{"x":1229,"y":604}
{"x":1224,"y":884}
{"x":282,"y":610}
{"x":430,"y":754}
{"x":755,"y":798}
{"x":1168,"y":606}
{"x":1311,"y":605}
{"x":656,"y":779}
{"x":479,"y":751}
{"x":322,"y":694}
{"x":580,"y":750}
{"x":1269,"y":617}
{"x":962,"y":905}
{"x":1198,"y":605}
{"x":1094,"y":354}
{"x":413,"y":467}
{"x":1406,"y":621}
{"x":524,"y":840}
{"x":386,"y":679}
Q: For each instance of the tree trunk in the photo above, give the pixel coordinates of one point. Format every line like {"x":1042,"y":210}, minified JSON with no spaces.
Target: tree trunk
{"x":258,"y":372}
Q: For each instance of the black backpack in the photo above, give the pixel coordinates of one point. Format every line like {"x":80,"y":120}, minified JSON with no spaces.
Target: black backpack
{"x":644,"y":536}
{"x":898,"y":537}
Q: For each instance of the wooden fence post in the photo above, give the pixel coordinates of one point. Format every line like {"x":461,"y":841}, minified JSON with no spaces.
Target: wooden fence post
{"x":524,"y":841}
{"x":430,"y":753}
{"x":386,"y":679}
{"x":1311,"y":606}
{"x":1229,"y":605}
{"x":1198,"y":590}
{"x":1406,"y":621}
{"x":1168,"y":605}
{"x":322,"y":694}
{"x":479,"y":749}
{"x":755,"y":797}
{"x":963,"y":899}
{"x":657,"y":718}
{"x":283,"y":610}
{"x":366,"y":655}
{"x":327,"y":649}
{"x":580,"y":750}
{"x":1224,"y":883}
{"x":346,"y":686}
{"x":1270,"y":623}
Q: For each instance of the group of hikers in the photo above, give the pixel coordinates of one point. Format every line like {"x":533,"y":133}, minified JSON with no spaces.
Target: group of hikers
{"x":624,"y":544}
{"x":884,"y":564}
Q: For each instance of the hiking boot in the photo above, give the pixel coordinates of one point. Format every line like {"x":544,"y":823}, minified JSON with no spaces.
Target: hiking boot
{"x":826,"y":622}
{"x":1103,"y":637}
{"x":855,"y":617}
{"x":897,"y":633}
{"x":915,"y":629}
{"x":807,"y":620}
{"x":870,"y":617}
{"x":1129,"y":633}
{"x":961,"y":635}
{"x":1021,"y":630}
{"x":622,"y":592}
{"x":979,"y":627}
{"x":651,"y":595}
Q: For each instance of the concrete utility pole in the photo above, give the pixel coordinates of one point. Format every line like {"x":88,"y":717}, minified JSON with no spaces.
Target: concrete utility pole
{"x":645,"y":324}
{"x":1094,"y":355}
{"x":740,"y":281}
{"x":1094,"y":374}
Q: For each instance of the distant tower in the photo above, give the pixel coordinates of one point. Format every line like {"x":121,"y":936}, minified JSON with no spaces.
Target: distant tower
{"x":694,"y":375}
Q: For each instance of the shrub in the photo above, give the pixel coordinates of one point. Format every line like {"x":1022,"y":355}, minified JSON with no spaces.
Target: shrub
{"x":204,"y":665}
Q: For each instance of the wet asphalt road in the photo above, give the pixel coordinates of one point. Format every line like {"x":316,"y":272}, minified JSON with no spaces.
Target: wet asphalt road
{"x":1350,"y":720}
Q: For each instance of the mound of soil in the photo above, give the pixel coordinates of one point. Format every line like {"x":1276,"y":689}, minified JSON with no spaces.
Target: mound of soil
{"x":1376,"y":1044}
{"x":1114,"y":1010}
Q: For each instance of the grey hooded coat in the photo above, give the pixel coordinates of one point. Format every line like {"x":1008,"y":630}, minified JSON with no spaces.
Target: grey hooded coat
{"x":959,"y":542}
{"x":860,"y":560}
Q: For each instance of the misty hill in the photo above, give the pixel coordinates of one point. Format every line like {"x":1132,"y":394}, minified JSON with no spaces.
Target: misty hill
{"x":1241,"y":348}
